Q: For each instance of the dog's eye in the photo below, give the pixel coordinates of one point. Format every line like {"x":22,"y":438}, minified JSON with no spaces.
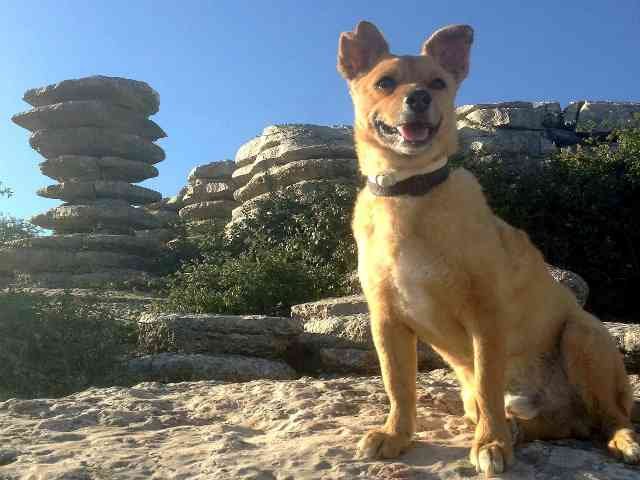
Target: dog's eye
{"x":437,"y":84}
{"x":386,"y":83}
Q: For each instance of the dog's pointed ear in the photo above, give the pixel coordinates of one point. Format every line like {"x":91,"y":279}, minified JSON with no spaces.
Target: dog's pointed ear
{"x":450,"y":46}
{"x":358,"y":51}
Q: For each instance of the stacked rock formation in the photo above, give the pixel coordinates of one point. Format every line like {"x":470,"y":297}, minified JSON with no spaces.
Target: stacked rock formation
{"x":208,"y":196}
{"x":294,"y":157}
{"x":98,"y":141}
{"x":521,"y":130}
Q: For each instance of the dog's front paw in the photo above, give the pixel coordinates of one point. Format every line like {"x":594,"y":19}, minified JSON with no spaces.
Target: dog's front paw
{"x":624,"y":445}
{"x":491,"y":455}
{"x":378,"y":444}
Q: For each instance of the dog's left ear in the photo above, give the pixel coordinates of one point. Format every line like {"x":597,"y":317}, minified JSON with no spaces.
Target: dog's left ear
{"x":450,"y":46}
{"x":358,"y":51}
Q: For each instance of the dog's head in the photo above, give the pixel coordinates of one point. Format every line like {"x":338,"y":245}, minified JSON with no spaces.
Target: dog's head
{"x":404,"y":105}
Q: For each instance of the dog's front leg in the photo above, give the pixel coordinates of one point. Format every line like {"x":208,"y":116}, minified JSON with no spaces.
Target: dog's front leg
{"x":492,"y":448}
{"x":396,"y":348}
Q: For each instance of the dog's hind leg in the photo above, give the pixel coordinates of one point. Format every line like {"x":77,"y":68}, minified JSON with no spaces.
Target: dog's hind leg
{"x":396,"y":346}
{"x":596,"y":372}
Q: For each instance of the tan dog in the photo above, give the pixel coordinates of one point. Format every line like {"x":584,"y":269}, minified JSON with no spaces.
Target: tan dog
{"x":436,"y":264}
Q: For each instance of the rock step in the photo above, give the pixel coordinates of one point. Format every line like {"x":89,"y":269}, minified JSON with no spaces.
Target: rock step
{"x":110,"y":216}
{"x":133,"y":94}
{"x":55,"y":260}
{"x":86,"y":169}
{"x":88,"y":113}
{"x":251,"y":335}
{"x":204,"y":190}
{"x":276,"y":178}
{"x":74,"y":191}
{"x":515,"y":115}
{"x":221,"y":169}
{"x":180,"y":367}
{"x":209,"y":209}
{"x":133,"y":244}
{"x":116,"y":278}
{"x":96,"y":142}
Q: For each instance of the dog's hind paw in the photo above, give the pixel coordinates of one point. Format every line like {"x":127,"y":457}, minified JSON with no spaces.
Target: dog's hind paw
{"x":624,"y":445}
{"x":378,"y":444}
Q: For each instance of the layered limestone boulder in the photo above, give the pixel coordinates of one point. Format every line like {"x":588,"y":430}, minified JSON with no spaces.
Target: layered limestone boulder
{"x":97,"y":141}
{"x":295,"y":157}
{"x":301,"y":429}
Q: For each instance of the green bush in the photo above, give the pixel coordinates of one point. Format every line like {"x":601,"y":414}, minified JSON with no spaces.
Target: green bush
{"x":580,"y":207}
{"x":55,"y":347}
{"x":285,"y":252}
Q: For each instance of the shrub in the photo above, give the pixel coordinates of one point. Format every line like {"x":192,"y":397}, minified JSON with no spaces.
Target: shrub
{"x":580,"y":208}
{"x":55,"y":347}
{"x":12,"y":228}
{"x":287,"y":251}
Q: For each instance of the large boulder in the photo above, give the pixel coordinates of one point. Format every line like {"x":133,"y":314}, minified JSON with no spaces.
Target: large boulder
{"x":97,"y":142}
{"x":208,"y":209}
{"x":77,"y":192}
{"x":88,"y":113}
{"x":85,"y":168}
{"x":222,"y":169}
{"x":627,"y":337}
{"x":276,"y":178}
{"x":132,"y":94}
{"x":515,"y":115}
{"x":252,"y":335}
{"x":117,"y":278}
{"x":484,"y":141}
{"x":178,"y":367}
{"x":112,"y":216}
{"x":203,"y":190}
{"x":306,"y":428}
{"x":603,"y":117}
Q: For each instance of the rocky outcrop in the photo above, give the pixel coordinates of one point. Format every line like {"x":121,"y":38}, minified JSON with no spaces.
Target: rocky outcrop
{"x":302,"y":429}
{"x":293,"y":157}
{"x":97,"y":140}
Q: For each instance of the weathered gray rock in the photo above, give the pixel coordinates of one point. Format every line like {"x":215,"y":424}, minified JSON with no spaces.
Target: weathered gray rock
{"x":163,"y":217}
{"x":111,"y":216}
{"x":54,"y":260}
{"x":303,"y":429}
{"x":179,"y":367}
{"x":287,"y":143}
{"x":133,"y":94}
{"x":85,"y":168}
{"x":160,"y":235}
{"x":572,"y":281}
{"x":570,"y":114}
{"x":222,"y":169}
{"x":303,"y":191}
{"x":330,"y":307}
{"x":97,"y":142}
{"x":133,"y":244}
{"x":117,"y":278}
{"x":206,"y":210}
{"x":602,"y":117}
{"x":481,"y":140}
{"x":515,"y":115}
{"x":251,"y":335}
{"x":100,"y":189}
{"x":203,"y":190}
{"x":627,"y":337}
{"x":276,"y":178}
{"x":88,"y":113}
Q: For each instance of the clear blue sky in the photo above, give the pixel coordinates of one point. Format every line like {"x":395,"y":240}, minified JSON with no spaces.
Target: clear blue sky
{"x":226,"y":69}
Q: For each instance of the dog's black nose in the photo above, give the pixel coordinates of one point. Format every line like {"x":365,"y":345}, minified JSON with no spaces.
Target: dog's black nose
{"x":418,"y":101}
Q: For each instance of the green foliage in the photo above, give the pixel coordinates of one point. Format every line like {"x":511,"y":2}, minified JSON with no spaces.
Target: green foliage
{"x":580,"y":208}
{"x":55,"y":347}
{"x":5,"y":191}
{"x":12,"y":228}
{"x":287,"y":251}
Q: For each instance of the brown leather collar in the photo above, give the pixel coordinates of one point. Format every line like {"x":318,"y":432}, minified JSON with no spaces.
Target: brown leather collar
{"x":415,"y":186}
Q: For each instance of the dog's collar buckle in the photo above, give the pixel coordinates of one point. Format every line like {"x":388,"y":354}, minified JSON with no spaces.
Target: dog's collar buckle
{"x":414,"y":186}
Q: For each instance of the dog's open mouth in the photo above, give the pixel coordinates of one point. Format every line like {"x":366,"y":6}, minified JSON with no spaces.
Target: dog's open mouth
{"x":416,"y":133}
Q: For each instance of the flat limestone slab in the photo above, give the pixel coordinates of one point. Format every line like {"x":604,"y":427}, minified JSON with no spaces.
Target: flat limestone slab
{"x":276,"y":178}
{"x":178,"y":367}
{"x":77,"y":192}
{"x":208,"y":209}
{"x":116,"y":278}
{"x":204,"y":190}
{"x":85,"y":168}
{"x":133,"y":94}
{"x":96,"y":142}
{"x":252,"y":335}
{"x":221,"y":169}
{"x":303,"y":429}
{"x":88,"y":113}
{"x":133,"y":244}
{"x":112,"y":216}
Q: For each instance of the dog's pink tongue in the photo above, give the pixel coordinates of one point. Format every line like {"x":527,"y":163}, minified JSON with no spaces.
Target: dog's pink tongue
{"x":414,"y":132}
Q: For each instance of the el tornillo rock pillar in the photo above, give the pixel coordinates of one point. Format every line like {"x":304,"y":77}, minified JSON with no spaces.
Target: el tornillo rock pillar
{"x":97,"y":141}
